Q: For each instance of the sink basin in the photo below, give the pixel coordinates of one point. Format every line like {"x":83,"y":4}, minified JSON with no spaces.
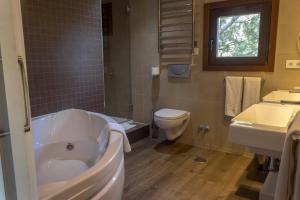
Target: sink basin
{"x":263,"y":127}
{"x":282,"y":96}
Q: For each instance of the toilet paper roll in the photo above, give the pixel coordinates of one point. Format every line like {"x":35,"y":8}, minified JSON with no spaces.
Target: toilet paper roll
{"x":155,"y":71}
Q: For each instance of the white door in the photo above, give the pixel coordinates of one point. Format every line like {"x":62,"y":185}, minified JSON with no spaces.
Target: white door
{"x":17,"y":105}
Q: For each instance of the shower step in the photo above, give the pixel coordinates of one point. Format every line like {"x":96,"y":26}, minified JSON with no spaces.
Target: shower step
{"x":139,"y":132}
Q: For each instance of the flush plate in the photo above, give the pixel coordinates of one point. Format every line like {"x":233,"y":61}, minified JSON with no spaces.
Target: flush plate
{"x":179,"y":70}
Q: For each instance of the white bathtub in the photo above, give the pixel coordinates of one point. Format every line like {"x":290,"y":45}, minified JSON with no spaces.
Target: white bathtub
{"x":77,"y":157}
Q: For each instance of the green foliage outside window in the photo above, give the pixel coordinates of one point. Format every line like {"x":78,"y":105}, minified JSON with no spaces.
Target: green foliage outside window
{"x":238,"y":36}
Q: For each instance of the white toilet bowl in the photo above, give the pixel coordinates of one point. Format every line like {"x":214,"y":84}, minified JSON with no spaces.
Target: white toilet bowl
{"x":173,"y":122}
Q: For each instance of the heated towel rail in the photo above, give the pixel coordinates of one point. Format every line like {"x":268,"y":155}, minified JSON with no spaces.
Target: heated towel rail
{"x":176,"y":31}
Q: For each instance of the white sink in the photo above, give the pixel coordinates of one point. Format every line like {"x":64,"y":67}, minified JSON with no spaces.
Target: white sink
{"x":263,"y":127}
{"x":282,"y":96}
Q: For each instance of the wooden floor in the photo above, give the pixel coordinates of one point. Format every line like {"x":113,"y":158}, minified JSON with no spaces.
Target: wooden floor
{"x":173,"y":171}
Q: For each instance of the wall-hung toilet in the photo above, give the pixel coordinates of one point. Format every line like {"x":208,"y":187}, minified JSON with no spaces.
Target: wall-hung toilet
{"x":173,"y":122}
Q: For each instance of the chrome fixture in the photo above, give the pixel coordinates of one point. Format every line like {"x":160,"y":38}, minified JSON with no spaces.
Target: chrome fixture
{"x":203,"y":128}
{"x":26,"y":94}
{"x":70,"y":147}
{"x":176,"y":31}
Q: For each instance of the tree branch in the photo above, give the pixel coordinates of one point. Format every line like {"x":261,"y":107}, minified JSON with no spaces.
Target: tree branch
{"x":234,"y":19}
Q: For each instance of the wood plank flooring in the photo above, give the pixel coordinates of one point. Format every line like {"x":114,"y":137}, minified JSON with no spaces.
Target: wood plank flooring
{"x":171,"y":171}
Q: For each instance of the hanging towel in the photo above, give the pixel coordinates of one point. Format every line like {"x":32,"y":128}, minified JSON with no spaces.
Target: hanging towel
{"x":252,"y":88}
{"x":118,"y":128}
{"x":233,"y":99}
{"x":288,"y":181}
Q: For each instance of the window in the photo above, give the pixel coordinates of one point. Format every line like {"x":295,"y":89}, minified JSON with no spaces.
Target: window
{"x":240,"y":35}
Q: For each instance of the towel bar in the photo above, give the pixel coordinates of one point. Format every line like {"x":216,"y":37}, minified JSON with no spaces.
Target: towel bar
{"x":180,"y":15}
{"x":171,"y":9}
{"x":175,"y":37}
{"x":176,"y":51}
{"x":180,"y":12}
{"x":175,"y":45}
{"x":173,"y":1}
{"x":262,"y":80}
{"x":176,"y":24}
{"x":176,"y":21}
{"x":175,"y":31}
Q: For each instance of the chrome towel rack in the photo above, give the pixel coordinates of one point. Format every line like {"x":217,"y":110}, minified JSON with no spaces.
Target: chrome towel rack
{"x":263,"y":81}
{"x":176,"y":31}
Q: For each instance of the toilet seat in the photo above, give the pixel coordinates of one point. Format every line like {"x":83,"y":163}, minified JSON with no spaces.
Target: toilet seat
{"x":170,"y":114}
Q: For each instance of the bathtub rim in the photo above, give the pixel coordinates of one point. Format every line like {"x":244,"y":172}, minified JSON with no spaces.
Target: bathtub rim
{"x":110,"y":157}
{"x":105,"y":117}
{"x":110,"y":162}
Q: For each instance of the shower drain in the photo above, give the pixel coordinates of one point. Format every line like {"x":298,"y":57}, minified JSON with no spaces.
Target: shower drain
{"x":70,"y":146}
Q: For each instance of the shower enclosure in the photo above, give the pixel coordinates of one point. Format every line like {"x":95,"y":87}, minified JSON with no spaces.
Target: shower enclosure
{"x":7,"y":183}
{"x":116,"y":47}
{"x":17,"y":167}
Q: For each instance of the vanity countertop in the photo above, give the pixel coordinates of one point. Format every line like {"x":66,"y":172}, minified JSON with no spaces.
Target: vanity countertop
{"x":282,"y":96}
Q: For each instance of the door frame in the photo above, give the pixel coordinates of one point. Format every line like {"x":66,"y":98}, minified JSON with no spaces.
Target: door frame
{"x":12,"y":46}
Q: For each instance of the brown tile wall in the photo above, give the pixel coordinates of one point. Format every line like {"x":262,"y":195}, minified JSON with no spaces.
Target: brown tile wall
{"x":63,"y":41}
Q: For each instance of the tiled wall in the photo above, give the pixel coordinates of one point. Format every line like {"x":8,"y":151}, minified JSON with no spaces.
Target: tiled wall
{"x":63,"y":43}
{"x":203,"y":93}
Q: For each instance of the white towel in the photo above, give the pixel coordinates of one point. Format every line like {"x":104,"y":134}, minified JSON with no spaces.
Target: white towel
{"x":252,"y":88}
{"x":288,"y":181}
{"x":118,"y":128}
{"x":234,"y":92}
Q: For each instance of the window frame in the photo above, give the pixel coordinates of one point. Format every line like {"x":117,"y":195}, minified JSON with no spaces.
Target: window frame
{"x":267,"y":39}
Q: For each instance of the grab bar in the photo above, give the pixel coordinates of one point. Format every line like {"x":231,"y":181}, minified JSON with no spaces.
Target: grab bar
{"x":26,"y":96}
